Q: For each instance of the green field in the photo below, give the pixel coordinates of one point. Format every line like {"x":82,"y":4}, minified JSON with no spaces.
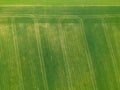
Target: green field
{"x":59,"y":48}
{"x":60,"y":2}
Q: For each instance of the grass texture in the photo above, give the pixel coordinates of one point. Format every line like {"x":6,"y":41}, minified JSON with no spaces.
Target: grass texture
{"x":59,"y":48}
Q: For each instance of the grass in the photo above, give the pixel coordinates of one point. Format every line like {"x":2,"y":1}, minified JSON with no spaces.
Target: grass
{"x":59,"y":52}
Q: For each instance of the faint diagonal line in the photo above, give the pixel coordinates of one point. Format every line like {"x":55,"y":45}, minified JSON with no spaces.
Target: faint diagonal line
{"x":62,"y":37}
{"x":41,"y":59}
{"x":107,"y":36}
{"x":88,"y":55}
{"x":17,"y":53}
